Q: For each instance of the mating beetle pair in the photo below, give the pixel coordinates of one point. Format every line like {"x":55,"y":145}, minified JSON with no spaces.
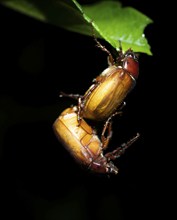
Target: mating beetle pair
{"x":100,"y":102}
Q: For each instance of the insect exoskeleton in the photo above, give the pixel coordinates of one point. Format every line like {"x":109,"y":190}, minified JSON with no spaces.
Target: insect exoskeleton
{"x":110,"y":88}
{"x":83,"y":143}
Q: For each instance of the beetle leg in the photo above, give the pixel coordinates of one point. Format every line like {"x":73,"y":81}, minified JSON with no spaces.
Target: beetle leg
{"x":103,"y":48}
{"x":123,"y":104}
{"x":107,"y":128}
{"x":81,"y":103}
{"x":80,"y":110}
{"x":74,"y":96}
{"x":90,"y":90}
{"x":120,"y":150}
{"x":105,"y":140}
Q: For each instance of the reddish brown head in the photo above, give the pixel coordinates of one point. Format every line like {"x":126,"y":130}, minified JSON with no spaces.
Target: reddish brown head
{"x":102,"y":165}
{"x":130,"y":63}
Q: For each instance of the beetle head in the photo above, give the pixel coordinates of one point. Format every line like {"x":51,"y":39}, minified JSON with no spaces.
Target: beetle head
{"x":101,"y":165}
{"x":130,"y":63}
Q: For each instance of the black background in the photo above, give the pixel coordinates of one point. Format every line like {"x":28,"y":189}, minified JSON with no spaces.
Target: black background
{"x":40,"y":179}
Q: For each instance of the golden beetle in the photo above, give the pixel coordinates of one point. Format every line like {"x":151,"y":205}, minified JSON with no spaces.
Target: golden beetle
{"x":110,"y":88}
{"x":83,"y":143}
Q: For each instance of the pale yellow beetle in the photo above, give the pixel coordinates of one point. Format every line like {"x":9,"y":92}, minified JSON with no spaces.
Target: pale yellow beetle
{"x":83,"y":143}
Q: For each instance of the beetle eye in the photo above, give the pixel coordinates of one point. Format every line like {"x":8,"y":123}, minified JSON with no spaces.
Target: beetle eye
{"x":131,"y":54}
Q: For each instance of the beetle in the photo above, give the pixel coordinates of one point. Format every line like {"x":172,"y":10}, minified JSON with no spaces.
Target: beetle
{"x":83,"y":143}
{"x":110,"y":88}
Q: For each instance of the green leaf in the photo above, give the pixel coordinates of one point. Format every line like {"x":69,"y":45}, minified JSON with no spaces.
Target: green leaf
{"x":114,"y":22}
{"x":111,"y":21}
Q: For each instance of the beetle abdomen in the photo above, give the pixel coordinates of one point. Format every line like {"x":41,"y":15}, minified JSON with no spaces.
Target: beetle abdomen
{"x":79,"y":140}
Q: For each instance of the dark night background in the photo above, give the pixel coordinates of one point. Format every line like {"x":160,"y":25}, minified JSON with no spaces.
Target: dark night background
{"x":40,"y":179}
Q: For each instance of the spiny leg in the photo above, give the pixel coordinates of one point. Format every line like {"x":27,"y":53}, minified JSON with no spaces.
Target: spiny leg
{"x":79,"y":98}
{"x":105,"y":140}
{"x":74,"y":96}
{"x":80,"y":110}
{"x":107,"y":128}
{"x":103,"y":48}
{"x":123,"y":104}
{"x":120,"y":150}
